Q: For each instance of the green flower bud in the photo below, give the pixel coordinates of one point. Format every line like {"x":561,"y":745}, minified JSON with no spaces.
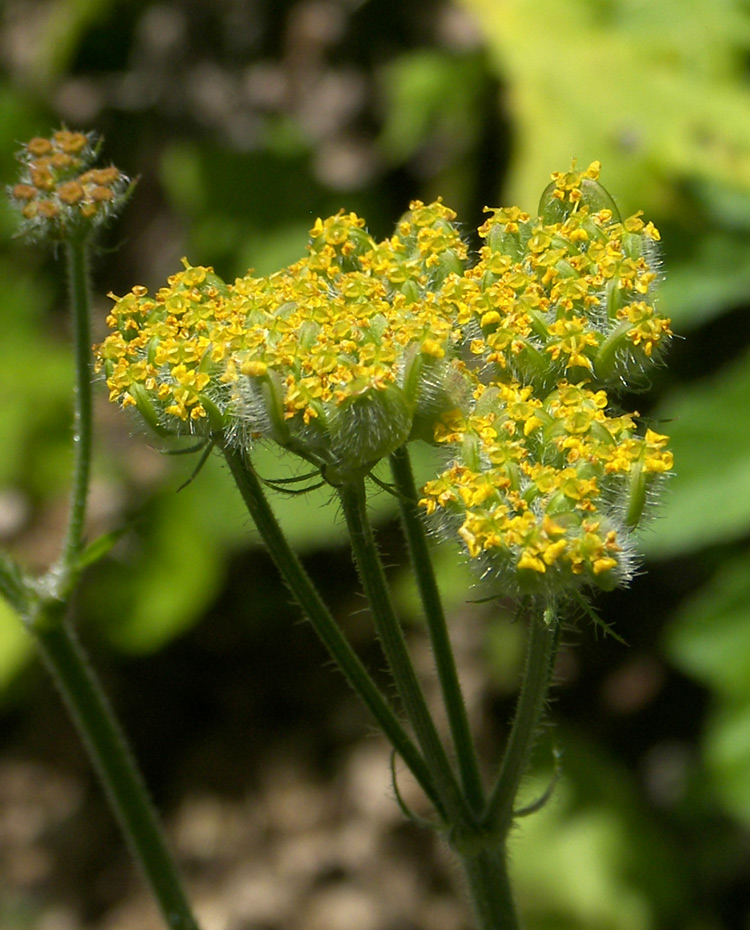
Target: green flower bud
{"x":570,"y":191}
{"x":364,"y":430}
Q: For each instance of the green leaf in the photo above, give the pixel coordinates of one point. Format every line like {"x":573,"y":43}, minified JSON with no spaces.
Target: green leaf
{"x":430,"y":93}
{"x":176,"y":562}
{"x":653,"y":90}
{"x":726,"y":743}
{"x":709,"y":638}
{"x":699,"y":285}
{"x":13,"y":585}
{"x":175,"y":571}
{"x":708,"y":499}
{"x":62,"y":29}
{"x":97,"y":549}
{"x":592,"y":858}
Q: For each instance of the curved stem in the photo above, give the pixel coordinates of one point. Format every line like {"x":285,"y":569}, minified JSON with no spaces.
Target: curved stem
{"x":371,"y":572}
{"x":438,"y":630}
{"x":78,"y":285}
{"x":107,"y":749}
{"x":542,"y":646}
{"x":325,"y":626}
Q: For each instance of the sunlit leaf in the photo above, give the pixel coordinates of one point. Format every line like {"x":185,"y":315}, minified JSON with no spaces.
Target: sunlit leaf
{"x":589,"y":860}
{"x":653,"y":90}
{"x":727,"y":752}
{"x":429,"y":93}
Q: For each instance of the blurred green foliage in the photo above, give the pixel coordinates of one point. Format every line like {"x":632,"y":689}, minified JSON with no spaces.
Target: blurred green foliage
{"x":243,"y":128}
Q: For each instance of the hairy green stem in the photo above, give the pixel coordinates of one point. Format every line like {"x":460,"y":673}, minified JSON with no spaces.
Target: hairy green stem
{"x":115,"y":765}
{"x":544,"y":635}
{"x":80,"y":304}
{"x":445,"y":664}
{"x":367,"y":559}
{"x":309,"y":599}
{"x":488,"y":885}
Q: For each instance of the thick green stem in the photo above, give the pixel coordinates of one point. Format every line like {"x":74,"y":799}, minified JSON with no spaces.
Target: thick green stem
{"x":391,"y":636}
{"x":78,"y":285}
{"x":108,"y":751}
{"x":325,"y":626}
{"x":438,"y":630}
{"x":488,"y":885}
{"x":542,"y":647}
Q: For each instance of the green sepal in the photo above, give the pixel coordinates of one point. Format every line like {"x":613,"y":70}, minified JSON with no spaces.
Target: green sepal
{"x":536,"y":367}
{"x":637,"y":486}
{"x":448,"y":263}
{"x":512,"y":244}
{"x":415,"y":363}
{"x":470,"y":452}
{"x":216,"y":418}
{"x":411,"y":291}
{"x":145,"y":407}
{"x":606,"y":358}
{"x":273,"y":402}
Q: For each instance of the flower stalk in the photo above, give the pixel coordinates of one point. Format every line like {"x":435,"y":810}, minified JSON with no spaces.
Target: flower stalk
{"x":489,"y":890}
{"x":367,"y":558}
{"x":544,"y":634}
{"x":80,"y":303}
{"x":437,"y":627}
{"x":325,"y":626}
{"x":62,"y":199}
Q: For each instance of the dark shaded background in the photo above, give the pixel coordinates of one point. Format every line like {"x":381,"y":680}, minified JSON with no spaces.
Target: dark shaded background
{"x":244,"y":121}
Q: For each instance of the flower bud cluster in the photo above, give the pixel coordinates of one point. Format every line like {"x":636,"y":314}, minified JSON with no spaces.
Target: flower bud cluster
{"x":61,"y":194}
{"x":362,"y":346}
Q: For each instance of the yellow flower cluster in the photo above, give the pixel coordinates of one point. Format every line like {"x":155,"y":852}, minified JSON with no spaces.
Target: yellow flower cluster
{"x":545,"y":491}
{"x":569,"y":298}
{"x":340,"y":357}
{"x":362,"y":346}
{"x":60,"y":193}
{"x":163,"y":356}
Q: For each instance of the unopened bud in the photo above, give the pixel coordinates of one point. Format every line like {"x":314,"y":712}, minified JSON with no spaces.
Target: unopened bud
{"x":60,"y":196}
